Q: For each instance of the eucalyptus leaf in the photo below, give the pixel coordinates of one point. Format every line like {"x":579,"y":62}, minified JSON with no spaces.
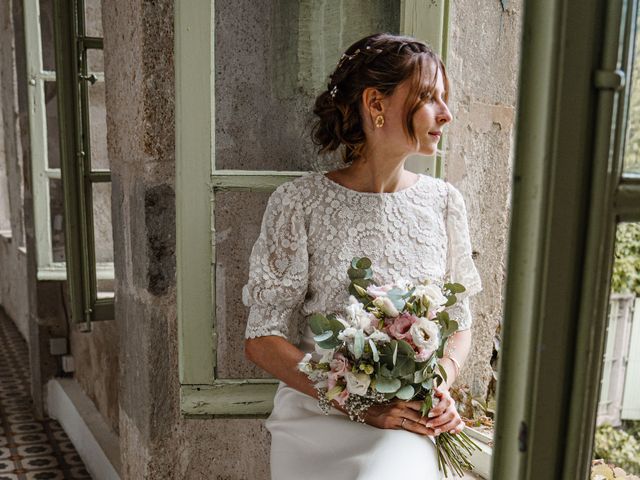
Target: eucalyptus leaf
{"x":387,"y":385}
{"x":406,"y":349}
{"x":395,"y":351}
{"x":363,"y":263}
{"x":419,"y":376}
{"x":454,"y":287}
{"x":356,"y":273}
{"x":323,"y":336}
{"x":451,"y":299}
{"x":443,"y":372}
{"x":404,"y":366}
{"x":318,"y":323}
{"x":358,"y":344}
{"x":374,"y":351}
{"x":405,"y":393}
{"x":335,"y":325}
{"x":331,"y":342}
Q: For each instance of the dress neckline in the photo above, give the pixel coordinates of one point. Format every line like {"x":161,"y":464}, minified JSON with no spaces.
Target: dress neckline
{"x":356,"y":192}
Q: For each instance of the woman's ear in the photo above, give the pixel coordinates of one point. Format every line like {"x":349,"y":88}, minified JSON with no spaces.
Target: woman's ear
{"x":372,"y":102}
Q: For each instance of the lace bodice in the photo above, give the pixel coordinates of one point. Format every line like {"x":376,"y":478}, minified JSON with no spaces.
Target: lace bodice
{"x":312,"y":227}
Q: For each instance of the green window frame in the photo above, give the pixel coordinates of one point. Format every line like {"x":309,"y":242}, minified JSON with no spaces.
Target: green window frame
{"x":569,"y":193}
{"x":42,"y":173}
{"x":202,"y":394}
{"x":78,"y":175}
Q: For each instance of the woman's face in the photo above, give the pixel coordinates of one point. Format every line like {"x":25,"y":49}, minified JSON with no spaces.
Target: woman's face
{"x":428,"y":121}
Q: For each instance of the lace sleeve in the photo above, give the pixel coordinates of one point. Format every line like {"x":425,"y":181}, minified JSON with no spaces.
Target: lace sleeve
{"x":278,"y":269}
{"x":460,"y":265}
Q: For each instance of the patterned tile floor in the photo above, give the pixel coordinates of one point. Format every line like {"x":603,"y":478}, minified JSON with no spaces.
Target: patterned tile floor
{"x":29,"y":449}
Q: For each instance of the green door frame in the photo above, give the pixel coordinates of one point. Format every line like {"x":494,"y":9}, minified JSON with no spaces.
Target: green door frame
{"x":568,"y":195}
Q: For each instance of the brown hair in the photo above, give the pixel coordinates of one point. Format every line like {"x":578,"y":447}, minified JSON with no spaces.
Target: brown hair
{"x":382,"y":61}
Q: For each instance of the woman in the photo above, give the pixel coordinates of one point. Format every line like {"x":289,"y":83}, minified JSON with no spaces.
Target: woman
{"x":386,"y":100}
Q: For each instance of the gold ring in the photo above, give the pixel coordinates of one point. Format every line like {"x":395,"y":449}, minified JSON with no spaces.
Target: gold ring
{"x":402,"y":424}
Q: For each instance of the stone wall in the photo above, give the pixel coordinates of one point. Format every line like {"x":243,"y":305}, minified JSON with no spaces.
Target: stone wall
{"x":13,"y":258}
{"x":483,"y":62}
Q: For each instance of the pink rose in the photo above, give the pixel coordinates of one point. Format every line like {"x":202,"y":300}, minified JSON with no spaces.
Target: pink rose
{"x":339,"y":365}
{"x":400,"y":328}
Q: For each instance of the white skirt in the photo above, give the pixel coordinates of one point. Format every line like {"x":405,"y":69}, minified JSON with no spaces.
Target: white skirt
{"x":307,"y":444}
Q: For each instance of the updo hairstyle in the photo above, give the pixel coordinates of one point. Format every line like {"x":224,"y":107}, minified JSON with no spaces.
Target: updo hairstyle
{"x":382,"y":61}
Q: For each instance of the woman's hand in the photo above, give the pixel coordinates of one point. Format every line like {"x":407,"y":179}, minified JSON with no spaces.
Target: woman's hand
{"x":399,"y":414}
{"x":444,"y":417}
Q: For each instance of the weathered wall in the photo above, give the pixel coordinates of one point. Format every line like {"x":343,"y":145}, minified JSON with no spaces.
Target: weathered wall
{"x":155,"y":441}
{"x":96,"y":361}
{"x":96,"y":352}
{"x":13,"y":259}
{"x":483,"y":60}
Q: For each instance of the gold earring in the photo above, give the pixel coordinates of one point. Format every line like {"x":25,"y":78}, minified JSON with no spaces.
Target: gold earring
{"x":379,"y":121}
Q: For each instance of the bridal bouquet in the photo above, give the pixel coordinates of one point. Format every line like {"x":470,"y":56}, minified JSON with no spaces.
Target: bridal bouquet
{"x":387,"y":346}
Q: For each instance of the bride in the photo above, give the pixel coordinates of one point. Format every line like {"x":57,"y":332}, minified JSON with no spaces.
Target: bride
{"x":386,"y":100}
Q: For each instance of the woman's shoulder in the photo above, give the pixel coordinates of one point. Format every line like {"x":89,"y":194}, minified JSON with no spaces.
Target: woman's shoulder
{"x":303,"y":184}
{"x":299,"y":191}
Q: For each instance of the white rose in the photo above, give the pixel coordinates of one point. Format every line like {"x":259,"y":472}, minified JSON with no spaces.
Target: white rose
{"x":357,"y":383}
{"x":379,"y":336}
{"x":348,"y":334}
{"x":425,"y":334}
{"x":358,"y":316}
{"x":430,"y":294}
{"x":386,"y":305}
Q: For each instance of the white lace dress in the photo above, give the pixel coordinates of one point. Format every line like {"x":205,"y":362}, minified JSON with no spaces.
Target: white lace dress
{"x":311,"y":229}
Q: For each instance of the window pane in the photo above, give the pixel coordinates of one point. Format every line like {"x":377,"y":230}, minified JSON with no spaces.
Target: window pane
{"x":93,"y":18}
{"x":271,"y":62}
{"x":53,"y":138}
{"x":98,"y":126}
{"x":56,"y":202}
{"x":46,"y":35}
{"x":95,"y":61}
{"x":237,"y":224}
{"x":103,"y":237}
{"x":617,"y":439}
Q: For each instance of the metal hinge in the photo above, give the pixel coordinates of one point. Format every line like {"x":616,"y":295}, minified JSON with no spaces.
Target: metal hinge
{"x":609,"y":80}
{"x":522,"y":437}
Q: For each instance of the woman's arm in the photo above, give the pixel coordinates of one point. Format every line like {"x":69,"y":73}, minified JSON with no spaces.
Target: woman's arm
{"x":280,"y":358}
{"x":458,"y":347}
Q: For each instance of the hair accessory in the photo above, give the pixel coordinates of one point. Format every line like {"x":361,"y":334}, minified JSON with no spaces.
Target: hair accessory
{"x":346,"y":57}
{"x":333,"y":91}
{"x":379,"y":121}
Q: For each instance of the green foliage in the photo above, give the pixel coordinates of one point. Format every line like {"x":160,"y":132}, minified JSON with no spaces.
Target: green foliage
{"x":617,"y":447}
{"x":361,"y":276}
{"x":626,"y":266}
